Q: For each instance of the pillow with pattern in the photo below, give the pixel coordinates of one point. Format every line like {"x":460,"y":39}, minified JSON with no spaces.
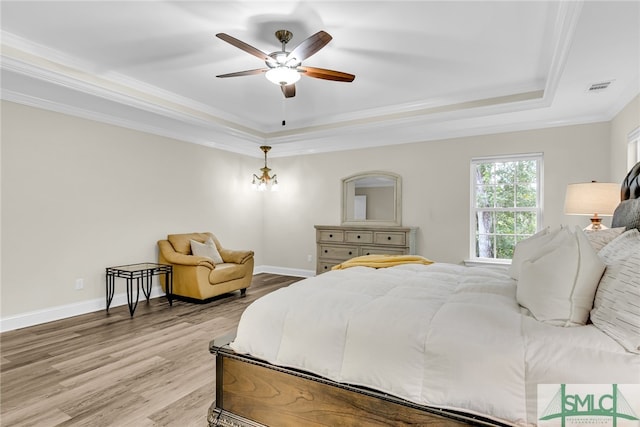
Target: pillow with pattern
{"x":600,"y":238}
{"x":616,"y":308}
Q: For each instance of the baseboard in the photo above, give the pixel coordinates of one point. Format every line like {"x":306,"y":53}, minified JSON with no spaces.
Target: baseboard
{"x":285,"y":271}
{"x":38,"y":317}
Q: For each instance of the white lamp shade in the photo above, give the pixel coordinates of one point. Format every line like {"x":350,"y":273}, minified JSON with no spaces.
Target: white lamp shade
{"x":589,"y":198}
{"x":283,"y":75}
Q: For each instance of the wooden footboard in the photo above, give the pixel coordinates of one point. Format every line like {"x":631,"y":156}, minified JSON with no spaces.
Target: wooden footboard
{"x":250,"y":392}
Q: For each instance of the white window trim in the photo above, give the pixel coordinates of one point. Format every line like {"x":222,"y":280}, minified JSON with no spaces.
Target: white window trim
{"x":633,"y":150}
{"x":473,"y":260}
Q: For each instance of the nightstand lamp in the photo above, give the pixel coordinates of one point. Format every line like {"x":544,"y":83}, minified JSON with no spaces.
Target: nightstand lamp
{"x":592,"y":198}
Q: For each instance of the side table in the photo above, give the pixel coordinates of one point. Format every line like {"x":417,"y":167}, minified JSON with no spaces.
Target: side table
{"x":143,"y":274}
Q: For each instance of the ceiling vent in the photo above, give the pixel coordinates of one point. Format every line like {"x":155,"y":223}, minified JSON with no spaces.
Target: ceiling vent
{"x":599,"y":87}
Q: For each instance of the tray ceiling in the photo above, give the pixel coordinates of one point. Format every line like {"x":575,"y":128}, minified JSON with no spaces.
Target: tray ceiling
{"x":424,"y":69}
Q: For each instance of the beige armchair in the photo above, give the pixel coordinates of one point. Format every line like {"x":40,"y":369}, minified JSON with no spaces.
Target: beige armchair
{"x":197,"y":277}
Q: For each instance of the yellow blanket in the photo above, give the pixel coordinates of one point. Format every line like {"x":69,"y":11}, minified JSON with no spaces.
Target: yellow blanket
{"x":382,"y":261}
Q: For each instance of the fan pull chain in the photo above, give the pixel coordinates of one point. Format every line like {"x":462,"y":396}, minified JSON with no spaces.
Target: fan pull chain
{"x":284,"y":113}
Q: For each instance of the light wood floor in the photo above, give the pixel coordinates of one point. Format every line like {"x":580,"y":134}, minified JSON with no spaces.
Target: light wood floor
{"x":102,"y":369}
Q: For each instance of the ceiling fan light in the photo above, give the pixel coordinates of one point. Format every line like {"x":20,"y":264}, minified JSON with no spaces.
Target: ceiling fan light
{"x":283,"y":75}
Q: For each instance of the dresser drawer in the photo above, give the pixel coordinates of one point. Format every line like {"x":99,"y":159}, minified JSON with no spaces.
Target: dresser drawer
{"x":358,"y":236}
{"x":324,"y":266}
{"x":338,"y":243}
{"x":378,"y":250}
{"x":330,"y":236}
{"x":338,"y":252}
{"x":390,"y":238}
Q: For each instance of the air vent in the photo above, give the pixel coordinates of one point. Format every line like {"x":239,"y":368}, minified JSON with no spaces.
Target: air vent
{"x":599,"y":87}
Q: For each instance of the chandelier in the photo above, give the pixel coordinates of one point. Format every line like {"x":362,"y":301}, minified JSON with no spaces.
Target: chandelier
{"x":264,"y":181}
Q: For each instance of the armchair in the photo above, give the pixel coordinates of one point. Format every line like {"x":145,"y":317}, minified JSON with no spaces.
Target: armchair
{"x":197,"y":277}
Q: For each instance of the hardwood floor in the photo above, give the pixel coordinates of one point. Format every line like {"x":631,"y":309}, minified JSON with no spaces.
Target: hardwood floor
{"x":103,"y":369}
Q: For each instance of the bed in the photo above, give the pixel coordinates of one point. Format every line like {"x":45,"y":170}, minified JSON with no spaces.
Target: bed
{"x":440,"y":344}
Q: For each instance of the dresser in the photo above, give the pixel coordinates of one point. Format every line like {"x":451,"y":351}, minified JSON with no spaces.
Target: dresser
{"x":338,"y":243}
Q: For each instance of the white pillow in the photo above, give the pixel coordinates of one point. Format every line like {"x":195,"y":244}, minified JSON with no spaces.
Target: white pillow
{"x":207,"y":249}
{"x":600,"y":238}
{"x":559,"y":285}
{"x":533,"y":247}
{"x":616,"y":310}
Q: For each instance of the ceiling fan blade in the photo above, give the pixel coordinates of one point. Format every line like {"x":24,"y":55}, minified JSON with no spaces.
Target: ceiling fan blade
{"x":321,"y":73}
{"x":245,"y":73}
{"x":289,"y":91}
{"x":310,"y":46}
{"x":244,"y":46}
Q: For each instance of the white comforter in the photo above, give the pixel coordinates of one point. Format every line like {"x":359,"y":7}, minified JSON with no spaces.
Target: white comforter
{"x":441,"y":335}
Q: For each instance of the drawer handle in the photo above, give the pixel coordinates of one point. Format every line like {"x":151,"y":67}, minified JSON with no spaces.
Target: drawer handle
{"x":330,"y":235}
{"x":349,"y":252}
{"x":325,"y":267}
{"x":325,"y":251}
{"x":358,"y":236}
{"x":368,"y":253}
{"x":389,"y":238}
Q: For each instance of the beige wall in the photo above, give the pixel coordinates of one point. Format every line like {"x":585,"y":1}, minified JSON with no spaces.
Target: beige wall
{"x":623,"y":124}
{"x":78,"y":196}
{"x":435,"y":179}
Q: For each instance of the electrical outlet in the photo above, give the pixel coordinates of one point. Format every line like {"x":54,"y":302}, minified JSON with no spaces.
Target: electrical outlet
{"x":79,"y":284}
{"x":309,"y":258}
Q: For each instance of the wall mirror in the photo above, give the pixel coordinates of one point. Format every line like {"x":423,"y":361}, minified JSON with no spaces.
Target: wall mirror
{"x":372,"y":198}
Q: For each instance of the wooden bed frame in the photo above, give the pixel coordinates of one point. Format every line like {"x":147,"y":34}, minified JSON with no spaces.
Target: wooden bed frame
{"x":254,"y":393}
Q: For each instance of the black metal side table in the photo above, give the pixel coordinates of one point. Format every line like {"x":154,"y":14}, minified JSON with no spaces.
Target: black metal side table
{"x":143,"y":274}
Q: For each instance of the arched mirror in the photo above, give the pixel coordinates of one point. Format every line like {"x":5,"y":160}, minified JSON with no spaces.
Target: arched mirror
{"x":372,"y":198}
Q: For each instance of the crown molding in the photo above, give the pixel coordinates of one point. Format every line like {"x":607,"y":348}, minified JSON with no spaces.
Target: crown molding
{"x":138,"y":95}
{"x":200,"y":124}
{"x":47,"y":64}
{"x":239,"y":145}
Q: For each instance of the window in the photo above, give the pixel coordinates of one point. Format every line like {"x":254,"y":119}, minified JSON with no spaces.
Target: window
{"x":506,"y":203}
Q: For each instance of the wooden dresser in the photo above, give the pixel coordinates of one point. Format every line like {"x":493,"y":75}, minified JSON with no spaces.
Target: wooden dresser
{"x":338,"y":243}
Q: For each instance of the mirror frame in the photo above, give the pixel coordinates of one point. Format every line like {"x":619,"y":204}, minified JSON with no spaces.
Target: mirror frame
{"x":397,"y":179}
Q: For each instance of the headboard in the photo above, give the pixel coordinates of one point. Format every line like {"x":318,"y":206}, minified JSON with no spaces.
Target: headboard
{"x":627,"y":214}
{"x":631,"y":184}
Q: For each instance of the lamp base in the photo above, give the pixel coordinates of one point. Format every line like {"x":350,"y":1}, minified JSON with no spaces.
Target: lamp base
{"x":596,"y":224}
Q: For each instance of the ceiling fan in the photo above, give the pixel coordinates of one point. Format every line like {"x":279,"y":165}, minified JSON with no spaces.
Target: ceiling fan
{"x":284,"y":68}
